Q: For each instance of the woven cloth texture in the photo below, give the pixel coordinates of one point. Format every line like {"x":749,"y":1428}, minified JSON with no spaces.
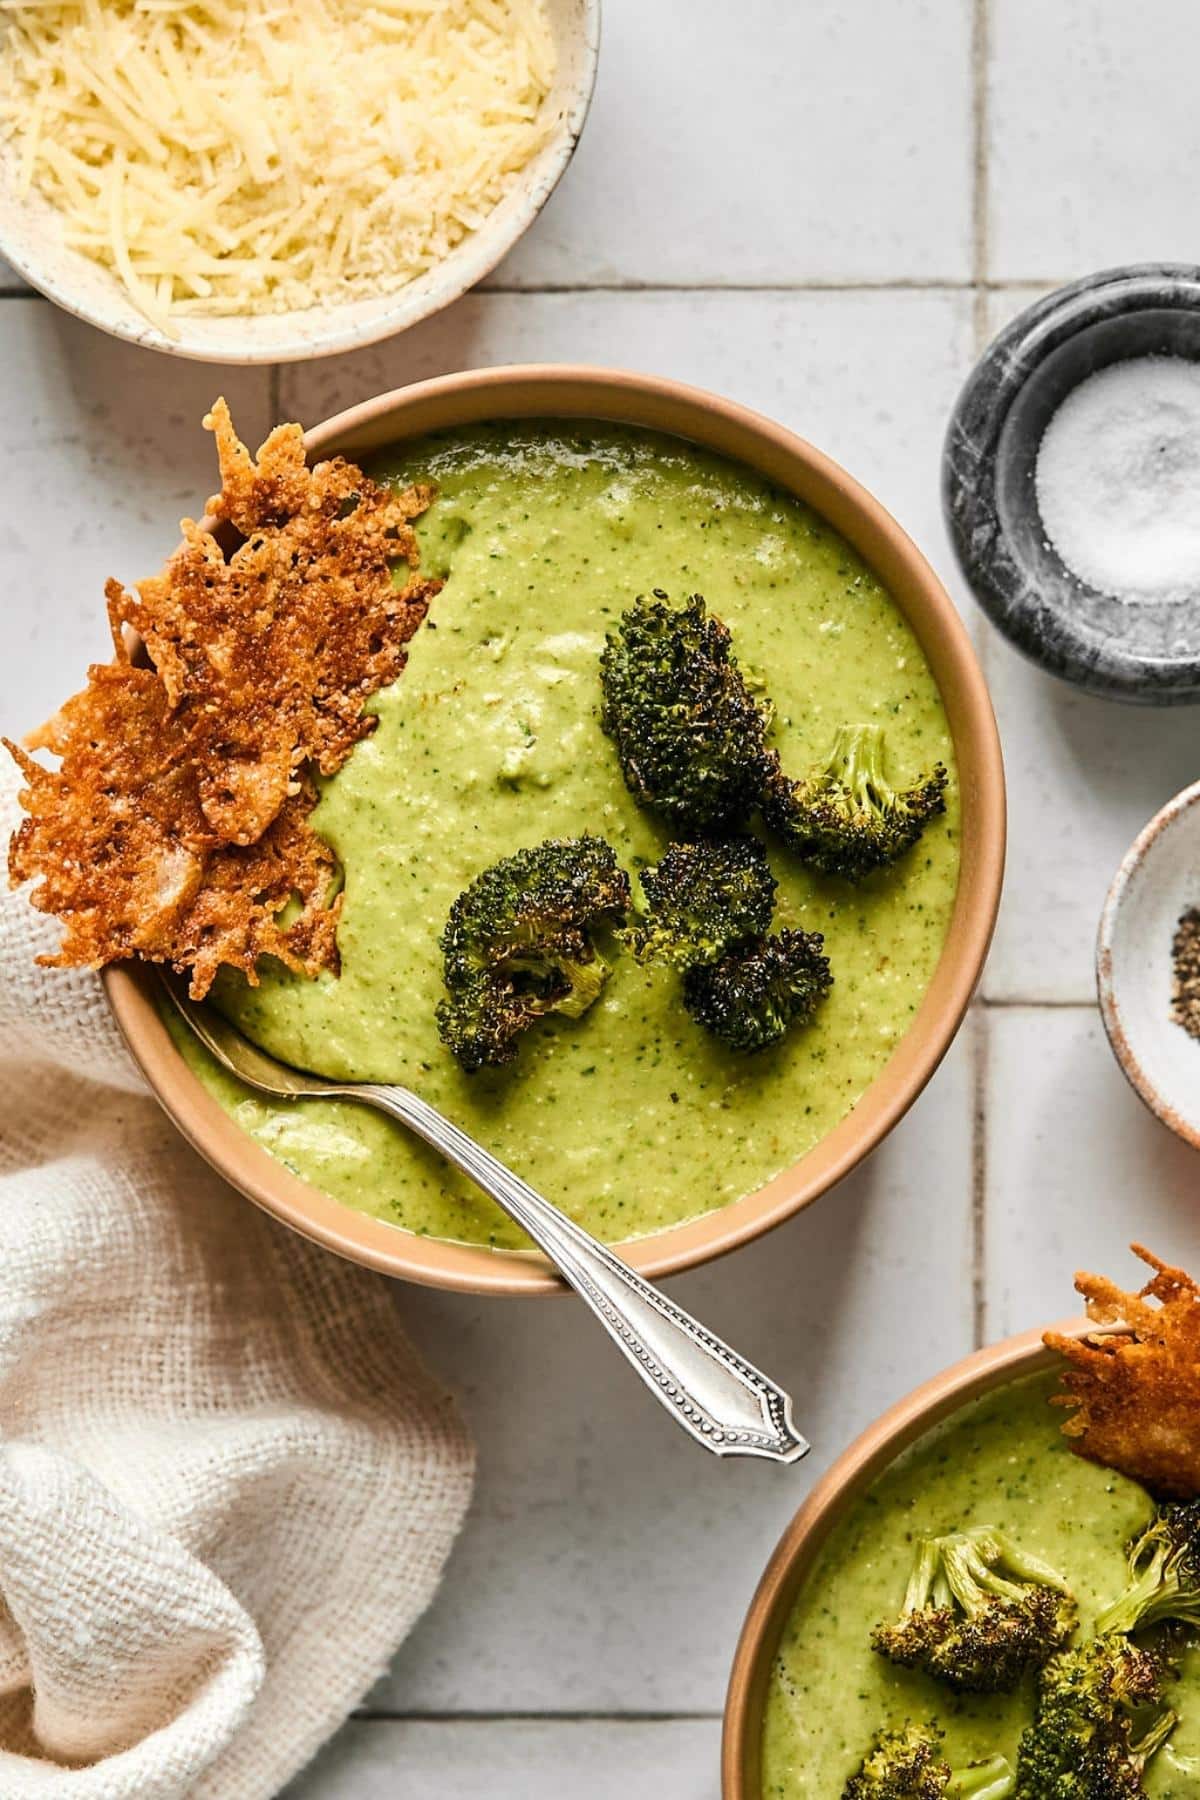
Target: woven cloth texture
{"x":228,"y":1486}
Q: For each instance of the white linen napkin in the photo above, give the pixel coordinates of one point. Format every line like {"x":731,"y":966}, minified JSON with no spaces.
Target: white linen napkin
{"x":227,"y":1484}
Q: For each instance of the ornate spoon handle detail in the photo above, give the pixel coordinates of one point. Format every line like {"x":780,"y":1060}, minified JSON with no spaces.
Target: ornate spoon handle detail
{"x":726,"y":1404}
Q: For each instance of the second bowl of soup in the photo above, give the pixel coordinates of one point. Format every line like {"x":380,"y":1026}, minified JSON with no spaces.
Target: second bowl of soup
{"x":977,"y":1451}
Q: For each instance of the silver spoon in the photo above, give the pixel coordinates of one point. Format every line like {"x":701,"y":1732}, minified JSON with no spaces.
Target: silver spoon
{"x":723,"y":1401}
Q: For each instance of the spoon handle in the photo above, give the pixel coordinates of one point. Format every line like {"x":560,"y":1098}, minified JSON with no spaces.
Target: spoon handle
{"x":723,"y":1401}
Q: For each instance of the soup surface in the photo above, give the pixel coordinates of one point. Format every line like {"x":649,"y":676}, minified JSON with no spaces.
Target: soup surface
{"x":1001,"y":1461}
{"x":632,"y":1118}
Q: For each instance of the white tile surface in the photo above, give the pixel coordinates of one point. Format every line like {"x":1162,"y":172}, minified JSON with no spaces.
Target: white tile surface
{"x":1004,"y":303}
{"x":868,"y":377}
{"x":1093,"y":138}
{"x":101,"y":455}
{"x":774,"y":144}
{"x":607,"y":1563}
{"x":1084,"y":776}
{"x":1076,"y":1168}
{"x":589,"y":1759}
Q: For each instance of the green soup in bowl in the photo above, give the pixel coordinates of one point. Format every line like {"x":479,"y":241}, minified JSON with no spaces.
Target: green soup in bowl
{"x":563,"y":494}
{"x":632,"y":1118}
{"x":979,"y":1447}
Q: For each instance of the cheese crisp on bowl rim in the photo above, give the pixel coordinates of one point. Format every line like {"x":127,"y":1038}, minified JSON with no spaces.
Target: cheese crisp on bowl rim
{"x":235,"y":157}
{"x":176,"y":827}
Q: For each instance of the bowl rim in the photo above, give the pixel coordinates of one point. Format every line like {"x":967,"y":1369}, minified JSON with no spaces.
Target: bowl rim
{"x":794,"y":1555}
{"x":1130,"y":870}
{"x":582,"y":392}
{"x":469,"y":262}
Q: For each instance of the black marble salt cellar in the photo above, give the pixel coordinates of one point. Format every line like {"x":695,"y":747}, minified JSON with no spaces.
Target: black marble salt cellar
{"x":1144,"y":650}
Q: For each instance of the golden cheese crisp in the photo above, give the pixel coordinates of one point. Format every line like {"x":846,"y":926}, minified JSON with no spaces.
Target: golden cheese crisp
{"x":176,"y":826}
{"x":1134,"y":1391}
{"x":268,"y":656}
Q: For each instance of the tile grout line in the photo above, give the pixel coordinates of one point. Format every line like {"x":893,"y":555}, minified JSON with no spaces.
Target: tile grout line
{"x":992,"y":1003}
{"x":979,"y":1023}
{"x":980,"y":48}
{"x":378,"y":1716}
{"x":816,"y":284}
{"x":979,"y":1058}
{"x":900,"y":284}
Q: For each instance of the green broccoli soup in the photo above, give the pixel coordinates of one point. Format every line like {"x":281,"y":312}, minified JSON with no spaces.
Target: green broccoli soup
{"x":1000,"y":1463}
{"x":632,"y":1118}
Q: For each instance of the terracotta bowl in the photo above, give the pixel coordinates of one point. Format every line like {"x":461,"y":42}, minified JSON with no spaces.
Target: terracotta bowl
{"x":801,"y":1543}
{"x":570,"y":392}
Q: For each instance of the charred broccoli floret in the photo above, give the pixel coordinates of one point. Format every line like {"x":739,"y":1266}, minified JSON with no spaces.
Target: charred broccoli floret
{"x":845,"y":818}
{"x":708,"y":906}
{"x":700,"y":899}
{"x":759,"y":988}
{"x":905,"y":1764}
{"x":1091,"y":1738}
{"x":689,"y":732}
{"x":518,"y":944}
{"x":977,"y":1613}
{"x":1164,"y":1574}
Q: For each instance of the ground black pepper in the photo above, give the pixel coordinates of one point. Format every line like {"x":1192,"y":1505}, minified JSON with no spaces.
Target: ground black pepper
{"x":1185,"y":958}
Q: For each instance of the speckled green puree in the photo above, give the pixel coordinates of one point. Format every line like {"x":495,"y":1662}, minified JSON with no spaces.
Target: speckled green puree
{"x":631,"y":1118}
{"x":1001,"y":1461}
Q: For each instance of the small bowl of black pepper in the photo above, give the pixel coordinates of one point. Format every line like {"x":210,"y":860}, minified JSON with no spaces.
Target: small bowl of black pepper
{"x":1148,"y":964}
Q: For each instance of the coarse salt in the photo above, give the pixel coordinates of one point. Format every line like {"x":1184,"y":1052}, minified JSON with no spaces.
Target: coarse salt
{"x":1118,"y":479}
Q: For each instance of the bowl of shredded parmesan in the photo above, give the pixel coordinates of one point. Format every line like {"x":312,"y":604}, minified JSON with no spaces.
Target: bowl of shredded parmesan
{"x":268,"y":180}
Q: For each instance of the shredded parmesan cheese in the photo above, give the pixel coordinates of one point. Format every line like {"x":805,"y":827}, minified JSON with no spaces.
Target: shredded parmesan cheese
{"x":243,"y":156}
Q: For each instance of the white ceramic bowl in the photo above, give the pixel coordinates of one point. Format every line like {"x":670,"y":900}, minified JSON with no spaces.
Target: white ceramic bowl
{"x":29,"y":240}
{"x":1158,"y":880}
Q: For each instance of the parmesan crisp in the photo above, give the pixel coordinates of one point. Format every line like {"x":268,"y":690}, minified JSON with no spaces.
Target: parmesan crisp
{"x":1134,"y":1391}
{"x":176,"y":827}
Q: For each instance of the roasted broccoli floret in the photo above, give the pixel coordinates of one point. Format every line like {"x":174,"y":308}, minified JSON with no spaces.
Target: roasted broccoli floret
{"x":700,"y":899}
{"x":1164,"y":1574}
{"x":759,"y":988}
{"x":905,"y":1764}
{"x":518,"y":944}
{"x":689,"y":733}
{"x":977,"y":1613}
{"x":845,"y":818}
{"x":1094,"y":1732}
